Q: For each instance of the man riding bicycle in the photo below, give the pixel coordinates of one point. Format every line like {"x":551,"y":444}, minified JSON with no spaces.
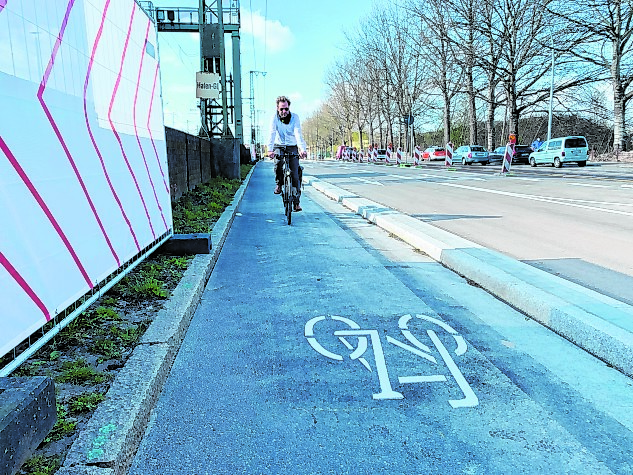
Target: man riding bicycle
{"x":285,"y":132}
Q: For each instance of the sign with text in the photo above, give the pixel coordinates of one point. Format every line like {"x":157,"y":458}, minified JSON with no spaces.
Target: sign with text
{"x":208,"y":86}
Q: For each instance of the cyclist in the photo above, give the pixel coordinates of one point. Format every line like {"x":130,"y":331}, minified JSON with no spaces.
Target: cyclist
{"x":285,"y":131}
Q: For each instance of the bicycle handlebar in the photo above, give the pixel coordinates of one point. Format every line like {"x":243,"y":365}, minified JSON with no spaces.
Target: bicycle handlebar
{"x":287,"y":154}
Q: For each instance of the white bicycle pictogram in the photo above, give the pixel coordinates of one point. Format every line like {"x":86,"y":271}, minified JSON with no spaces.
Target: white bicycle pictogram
{"x":413,"y":346}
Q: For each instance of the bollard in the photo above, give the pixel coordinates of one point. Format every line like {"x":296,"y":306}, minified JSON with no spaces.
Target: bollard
{"x":448,"y":161}
{"x":507,"y":158}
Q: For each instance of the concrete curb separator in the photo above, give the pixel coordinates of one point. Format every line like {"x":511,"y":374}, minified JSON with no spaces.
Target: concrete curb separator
{"x":111,"y":438}
{"x":599,"y":324}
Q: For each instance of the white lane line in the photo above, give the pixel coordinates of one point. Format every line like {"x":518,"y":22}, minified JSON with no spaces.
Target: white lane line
{"x":560,"y":201}
{"x":402,"y":177}
{"x":525,"y":179}
{"x":588,"y":185}
{"x":627,"y":186}
{"x":369,"y":182}
{"x":428,"y":175}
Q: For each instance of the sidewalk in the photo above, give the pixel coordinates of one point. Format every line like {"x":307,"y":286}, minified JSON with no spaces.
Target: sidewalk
{"x":107,"y":446}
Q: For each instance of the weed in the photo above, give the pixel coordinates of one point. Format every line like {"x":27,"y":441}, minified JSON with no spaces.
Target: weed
{"x":149,"y":287}
{"x":78,"y":372}
{"x":109,"y":301}
{"x":180,"y":263}
{"x":41,"y":465}
{"x":128,"y":335}
{"x":199,"y":209}
{"x":106,"y":313}
{"x":244,"y":169}
{"x":108,"y":349}
{"x":86,"y":402}
{"x":54,"y":356}
{"x":71,"y":335}
{"x":62,"y":428}
{"x":30,"y":369}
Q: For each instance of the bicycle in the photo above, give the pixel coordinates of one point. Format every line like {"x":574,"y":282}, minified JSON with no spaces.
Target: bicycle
{"x":289,"y":193}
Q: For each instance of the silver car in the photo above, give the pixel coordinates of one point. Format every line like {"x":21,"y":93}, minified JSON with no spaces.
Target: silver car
{"x":561,"y":150}
{"x":469,"y":154}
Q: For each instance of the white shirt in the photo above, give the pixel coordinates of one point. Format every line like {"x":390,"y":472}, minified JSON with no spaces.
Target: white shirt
{"x":286,"y":134}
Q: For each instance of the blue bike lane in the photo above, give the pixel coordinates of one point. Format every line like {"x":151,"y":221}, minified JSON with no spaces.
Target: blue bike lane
{"x":308,"y":354}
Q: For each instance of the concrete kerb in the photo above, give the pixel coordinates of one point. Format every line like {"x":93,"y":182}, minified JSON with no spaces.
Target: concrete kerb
{"x":333,"y":192}
{"x":597,"y":323}
{"x":111,"y":438}
{"x":585,"y":320}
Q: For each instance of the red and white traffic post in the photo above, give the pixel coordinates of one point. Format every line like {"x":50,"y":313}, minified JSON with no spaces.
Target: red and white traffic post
{"x":508,"y":154}
{"x":388,"y":155}
{"x":398,"y":156}
{"x":448,"y":160}
{"x":416,"y":155}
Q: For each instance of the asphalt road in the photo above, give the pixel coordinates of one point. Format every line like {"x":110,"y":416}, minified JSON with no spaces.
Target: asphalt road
{"x":573,"y":222}
{"x":329,"y":347}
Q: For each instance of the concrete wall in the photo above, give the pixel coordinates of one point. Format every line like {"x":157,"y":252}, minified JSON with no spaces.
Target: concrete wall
{"x":193,"y":160}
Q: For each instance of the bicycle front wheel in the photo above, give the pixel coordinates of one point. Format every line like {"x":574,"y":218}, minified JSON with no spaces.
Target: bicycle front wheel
{"x":289,"y":198}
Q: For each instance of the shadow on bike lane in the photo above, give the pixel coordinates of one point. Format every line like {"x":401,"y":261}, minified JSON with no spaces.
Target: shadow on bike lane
{"x":306,"y":355}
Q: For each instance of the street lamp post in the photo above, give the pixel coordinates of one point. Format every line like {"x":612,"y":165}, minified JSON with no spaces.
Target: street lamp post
{"x":253,"y":74}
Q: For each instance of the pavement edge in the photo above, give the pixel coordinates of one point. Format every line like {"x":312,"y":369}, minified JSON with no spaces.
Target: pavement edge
{"x":108,"y":443}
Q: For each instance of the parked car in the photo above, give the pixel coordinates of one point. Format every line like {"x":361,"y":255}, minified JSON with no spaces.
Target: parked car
{"x":434,"y":153}
{"x":382,"y":154}
{"x":497,"y":154}
{"x":521,"y":154}
{"x":469,"y":154}
{"x":561,"y":150}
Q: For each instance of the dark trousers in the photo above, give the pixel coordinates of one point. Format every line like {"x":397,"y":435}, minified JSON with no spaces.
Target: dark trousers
{"x":294,"y":168}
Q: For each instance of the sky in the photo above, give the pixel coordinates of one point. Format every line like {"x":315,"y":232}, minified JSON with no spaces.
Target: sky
{"x":293,"y":41}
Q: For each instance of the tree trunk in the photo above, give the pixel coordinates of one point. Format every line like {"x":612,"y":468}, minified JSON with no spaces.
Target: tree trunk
{"x":490,"y":117}
{"x":472,"y":107}
{"x":472,"y":110}
{"x":371,"y":127}
{"x":513,"y":126}
{"x":619,"y":121}
{"x":447,"y":119}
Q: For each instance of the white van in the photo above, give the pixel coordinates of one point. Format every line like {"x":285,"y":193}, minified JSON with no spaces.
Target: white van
{"x":561,"y":150}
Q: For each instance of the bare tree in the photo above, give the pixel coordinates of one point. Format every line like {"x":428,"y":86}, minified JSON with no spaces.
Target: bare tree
{"x":435,"y":44}
{"x":605,"y":27}
{"x":341,"y":95}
